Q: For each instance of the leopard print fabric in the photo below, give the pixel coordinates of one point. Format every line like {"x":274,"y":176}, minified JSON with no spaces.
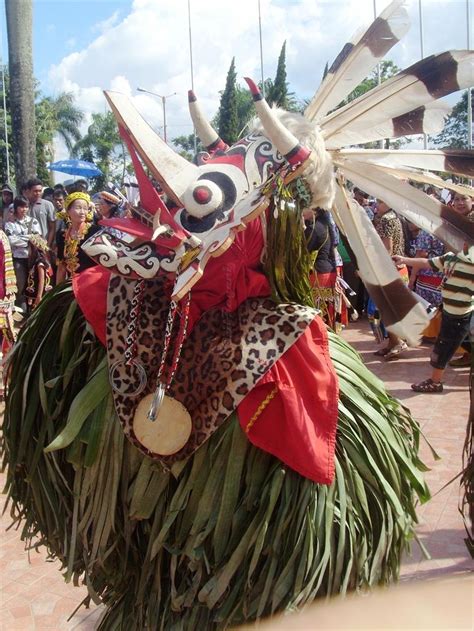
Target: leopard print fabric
{"x":222,"y":358}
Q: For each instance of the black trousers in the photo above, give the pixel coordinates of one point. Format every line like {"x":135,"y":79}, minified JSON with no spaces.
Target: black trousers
{"x":21,"y":272}
{"x":453,"y":331}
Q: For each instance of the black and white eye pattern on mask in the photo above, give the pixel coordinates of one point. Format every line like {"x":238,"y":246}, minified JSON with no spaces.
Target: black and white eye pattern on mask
{"x":216,"y":191}
{"x":221,"y":186}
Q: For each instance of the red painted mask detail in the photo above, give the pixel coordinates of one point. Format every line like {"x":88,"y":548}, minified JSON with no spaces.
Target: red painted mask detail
{"x":202,"y":194}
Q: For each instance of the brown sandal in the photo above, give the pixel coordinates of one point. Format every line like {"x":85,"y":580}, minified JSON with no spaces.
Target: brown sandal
{"x":428,"y":386}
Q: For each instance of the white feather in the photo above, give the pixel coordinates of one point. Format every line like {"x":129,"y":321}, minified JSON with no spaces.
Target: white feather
{"x":403,"y":93}
{"x":433,"y":123}
{"x":360,"y":61}
{"x":410,"y":202}
{"x":419,"y":159}
{"x":425,"y":177}
{"x":376,"y":267}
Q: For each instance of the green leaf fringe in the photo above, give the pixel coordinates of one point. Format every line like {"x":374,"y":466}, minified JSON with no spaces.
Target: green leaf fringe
{"x":288,"y":262}
{"x":229,"y":536}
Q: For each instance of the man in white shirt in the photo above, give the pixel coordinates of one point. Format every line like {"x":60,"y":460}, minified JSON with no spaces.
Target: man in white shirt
{"x":41,"y":209}
{"x":18,"y":230}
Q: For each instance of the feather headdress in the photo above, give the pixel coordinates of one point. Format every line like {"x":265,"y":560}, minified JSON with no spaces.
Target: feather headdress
{"x":228,"y":188}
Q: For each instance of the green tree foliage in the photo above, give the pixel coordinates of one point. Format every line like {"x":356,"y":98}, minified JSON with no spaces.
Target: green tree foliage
{"x":237,"y":109}
{"x":185,"y":146}
{"x":278,"y":93}
{"x":55,"y":116}
{"x":103,"y":146}
{"x":228,"y":123}
{"x":455,"y":133}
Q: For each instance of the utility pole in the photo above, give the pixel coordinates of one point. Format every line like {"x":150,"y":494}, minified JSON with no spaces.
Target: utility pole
{"x":163,"y":103}
{"x":379,"y":77}
{"x":422,"y":52}
{"x":191,"y":64}
{"x":469,"y":91}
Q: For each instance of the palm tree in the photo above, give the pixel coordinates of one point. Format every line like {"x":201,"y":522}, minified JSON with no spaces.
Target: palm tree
{"x":22,"y":94}
{"x":103,"y":146}
{"x":56,"y":117}
{"x":62,"y":118}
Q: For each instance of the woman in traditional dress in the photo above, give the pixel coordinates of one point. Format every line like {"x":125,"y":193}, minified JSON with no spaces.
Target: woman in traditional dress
{"x":78,"y":227}
{"x":390,"y":230}
{"x":40,"y":272}
{"x":7,"y":295}
{"x":426,"y":282}
{"x":322,"y":239}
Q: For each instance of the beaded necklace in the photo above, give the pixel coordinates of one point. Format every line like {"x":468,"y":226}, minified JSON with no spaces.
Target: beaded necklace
{"x":71,"y":246}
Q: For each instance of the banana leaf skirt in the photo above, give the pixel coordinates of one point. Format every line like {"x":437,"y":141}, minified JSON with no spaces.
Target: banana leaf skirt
{"x":228,"y":535}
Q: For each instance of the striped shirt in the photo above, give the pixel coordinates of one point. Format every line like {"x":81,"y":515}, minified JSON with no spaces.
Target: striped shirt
{"x":458,"y":286}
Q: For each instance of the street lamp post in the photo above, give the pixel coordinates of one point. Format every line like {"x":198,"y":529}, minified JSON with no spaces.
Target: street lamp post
{"x":163,"y":103}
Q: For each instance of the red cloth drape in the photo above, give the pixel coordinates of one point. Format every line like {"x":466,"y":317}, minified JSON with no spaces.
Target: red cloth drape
{"x":299,"y":424}
{"x":90,"y":288}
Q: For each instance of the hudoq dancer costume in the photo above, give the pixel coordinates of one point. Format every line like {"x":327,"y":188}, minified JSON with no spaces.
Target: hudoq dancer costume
{"x":182,"y":431}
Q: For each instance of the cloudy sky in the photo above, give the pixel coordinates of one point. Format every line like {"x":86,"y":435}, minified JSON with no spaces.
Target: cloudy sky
{"x":87,"y":46}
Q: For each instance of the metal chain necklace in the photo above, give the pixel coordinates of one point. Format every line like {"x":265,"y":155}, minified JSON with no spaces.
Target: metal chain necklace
{"x":163,"y":386}
{"x":130,"y":356}
{"x":161,"y":423}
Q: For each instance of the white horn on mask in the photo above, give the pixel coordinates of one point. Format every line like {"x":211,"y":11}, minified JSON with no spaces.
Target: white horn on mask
{"x":287,"y":144}
{"x":204,"y":130}
{"x":173,"y":172}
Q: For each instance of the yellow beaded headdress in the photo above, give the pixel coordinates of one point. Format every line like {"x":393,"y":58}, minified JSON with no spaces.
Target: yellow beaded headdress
{"x":73,"y":196}
{"x":69,"y":200}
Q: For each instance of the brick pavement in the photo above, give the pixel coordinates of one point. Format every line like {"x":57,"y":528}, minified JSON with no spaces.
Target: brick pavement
{"x":34,"y":595}
{"x":443,"y":419}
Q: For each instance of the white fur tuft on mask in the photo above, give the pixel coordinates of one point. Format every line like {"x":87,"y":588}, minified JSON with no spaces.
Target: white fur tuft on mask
{"x":319,"y":169}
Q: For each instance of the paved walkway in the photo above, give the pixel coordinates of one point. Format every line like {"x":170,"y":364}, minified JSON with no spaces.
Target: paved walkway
{"x":34,"y":595}
{"x":443,"y":418}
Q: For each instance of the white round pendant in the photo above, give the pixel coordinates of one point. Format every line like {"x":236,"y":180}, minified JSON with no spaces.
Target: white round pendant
{"x":170,"y":430}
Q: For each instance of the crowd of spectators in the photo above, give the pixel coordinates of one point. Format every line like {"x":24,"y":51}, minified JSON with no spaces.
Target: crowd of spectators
{"x":444,"y":282}
{"x":45,"y":228}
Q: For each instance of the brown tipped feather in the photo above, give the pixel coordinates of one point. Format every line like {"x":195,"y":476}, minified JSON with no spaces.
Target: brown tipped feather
{"x":419,"y":85}
{"x":458,"y":162}
{"x":402,"y":314}
{"x":358,"y":58}
{"x":427,"y":213}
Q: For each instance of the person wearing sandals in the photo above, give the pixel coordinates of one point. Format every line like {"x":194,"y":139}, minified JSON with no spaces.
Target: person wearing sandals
{"x":458,"y":305}
{"x":463,"y":204}
{"x":390,"y":230}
